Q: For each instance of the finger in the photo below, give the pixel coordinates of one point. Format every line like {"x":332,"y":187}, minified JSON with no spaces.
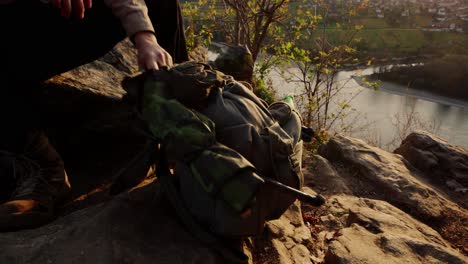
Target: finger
{"x":78,"y":8}
{"x":163,"y":59}
{"x":66,"y":8}
{"x":147,"y":63}
{"x":88,"y":3}
{"x":57,"y":3}
{"x":169,"y":60}
{"x":152,"y":65}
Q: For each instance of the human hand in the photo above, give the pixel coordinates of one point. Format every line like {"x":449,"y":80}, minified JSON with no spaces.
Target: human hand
{"x":78,"y":7}
{"x":150,"y":54}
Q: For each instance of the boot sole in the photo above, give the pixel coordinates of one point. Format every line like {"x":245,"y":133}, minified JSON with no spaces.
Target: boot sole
{"x":12,"y":223}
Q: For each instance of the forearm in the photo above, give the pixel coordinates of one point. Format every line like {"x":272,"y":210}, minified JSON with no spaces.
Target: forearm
{"x":133,"y":15}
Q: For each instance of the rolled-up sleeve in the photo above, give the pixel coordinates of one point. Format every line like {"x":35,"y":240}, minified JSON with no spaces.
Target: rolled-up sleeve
{"x":133,"y":15}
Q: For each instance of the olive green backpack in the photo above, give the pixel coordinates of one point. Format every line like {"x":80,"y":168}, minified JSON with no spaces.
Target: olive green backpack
{"x":219,"y":146}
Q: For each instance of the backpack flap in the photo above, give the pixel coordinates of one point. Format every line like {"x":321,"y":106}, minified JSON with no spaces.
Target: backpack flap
{"x":184,"y":132}
{"x":226,"y":175}
{"x":191,"y":82}
{"x":218,"y":187}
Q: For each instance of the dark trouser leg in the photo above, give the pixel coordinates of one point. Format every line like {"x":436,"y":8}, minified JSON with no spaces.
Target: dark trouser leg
{"x":50,"y":44}
{"x":168,"y":24}
{"x":46,"y":46}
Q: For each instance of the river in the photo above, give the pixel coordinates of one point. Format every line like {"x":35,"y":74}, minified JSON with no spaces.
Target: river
{"x":378,"y":111}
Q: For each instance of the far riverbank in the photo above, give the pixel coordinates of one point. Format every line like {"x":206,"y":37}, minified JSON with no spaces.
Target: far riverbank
{"x":446,"y":76}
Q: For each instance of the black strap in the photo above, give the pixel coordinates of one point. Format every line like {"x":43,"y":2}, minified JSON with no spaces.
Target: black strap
{"x":172,"y":193}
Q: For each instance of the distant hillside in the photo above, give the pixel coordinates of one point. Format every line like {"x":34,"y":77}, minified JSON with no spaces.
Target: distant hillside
{"x":382,"y":39}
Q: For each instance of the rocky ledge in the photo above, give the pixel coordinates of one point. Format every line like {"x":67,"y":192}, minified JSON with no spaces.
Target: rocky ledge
{"x":382,"y":207}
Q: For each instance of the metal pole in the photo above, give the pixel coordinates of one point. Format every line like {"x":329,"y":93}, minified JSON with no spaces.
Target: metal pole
{"x":318,"y":200}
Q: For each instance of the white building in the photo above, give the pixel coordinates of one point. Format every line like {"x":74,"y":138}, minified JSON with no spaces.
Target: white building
{"x":441,"y":12}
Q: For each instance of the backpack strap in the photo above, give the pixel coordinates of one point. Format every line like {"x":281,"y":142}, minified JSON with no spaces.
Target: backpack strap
{"x":171,"y":191}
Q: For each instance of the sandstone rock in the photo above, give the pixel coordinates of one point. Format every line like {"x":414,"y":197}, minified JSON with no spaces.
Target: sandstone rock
{"x":321,"y":175}
{"x":377,"y":232}
{"x":374,"y":173}
{"x":94,"y":129}
{"x":286,"y":240}
{"x":331,"y":222}
{"x":101,"y":77}
{"x":134,"y":227}
{"x":443,"y":164}
{"x":281,"y":251}
{"x":300,"y":254}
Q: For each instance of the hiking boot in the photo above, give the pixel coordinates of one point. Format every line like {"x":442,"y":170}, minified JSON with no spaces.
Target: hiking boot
{"x":41,"y":183}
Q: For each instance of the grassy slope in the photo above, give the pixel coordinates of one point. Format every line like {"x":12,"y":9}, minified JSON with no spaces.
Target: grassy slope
{"x":380,"y":39}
